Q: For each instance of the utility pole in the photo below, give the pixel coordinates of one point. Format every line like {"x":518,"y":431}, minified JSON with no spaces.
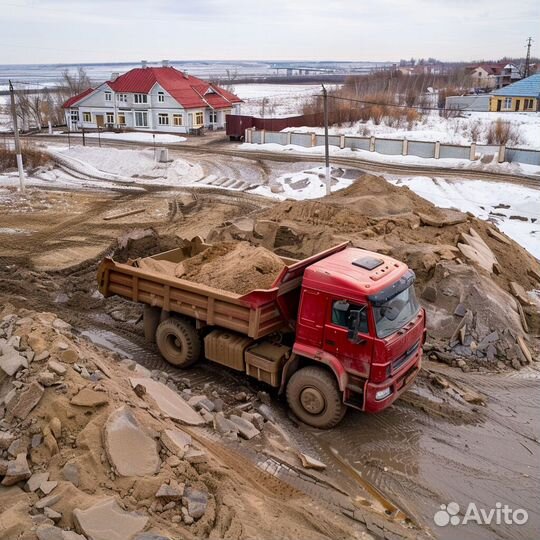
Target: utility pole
{"x":17,"y":141}
{"x":528,"y":59}
{"x":326,"y":146}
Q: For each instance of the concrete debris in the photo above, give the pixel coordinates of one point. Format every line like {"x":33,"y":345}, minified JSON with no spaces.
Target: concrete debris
{"x":57,"y":367}
{"x":525,"y":350}
{"x":50,"y":500}
{"x":48,"y":486}
{"x":170,"y":493}
{"x":169,"y":402}
{"x":195,"y":456}
{"x":52,"y":514}
{"x":520,"y":293}
{"x":266,"y":412}
{"x":71,"y":473}
{"x":6,"y":439}
{"x":35,"y":481}
{"x":89,"y":398}
{"x":176,"y":441}
{"x":195,"y":501}
{"x":11,"y":360}
{"x":22,"y":404}
{"x":311,"y":463}
{"x":246,"y":429}
{"x":17,"y":471}
{"x":130,"y":449}
{"x":107,"y":521}
{"x":223,"y":425}
{"x":476,"y":250}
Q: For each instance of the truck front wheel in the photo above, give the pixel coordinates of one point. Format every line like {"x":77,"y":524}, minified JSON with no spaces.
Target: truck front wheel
{"x":178,"y":342}
{"x":314,"y":397}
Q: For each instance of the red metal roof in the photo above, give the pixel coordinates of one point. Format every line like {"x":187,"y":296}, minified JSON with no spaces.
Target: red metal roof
{"x":72,"y":100}
{"x":189,"y":91}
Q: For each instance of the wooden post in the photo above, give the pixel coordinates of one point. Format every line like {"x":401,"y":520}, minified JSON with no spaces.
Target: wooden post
{"x":405,"y":148}
{"x":437,"y":150}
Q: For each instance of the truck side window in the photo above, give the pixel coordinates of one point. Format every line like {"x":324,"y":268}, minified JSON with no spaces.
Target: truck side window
{"x":343,"y":318}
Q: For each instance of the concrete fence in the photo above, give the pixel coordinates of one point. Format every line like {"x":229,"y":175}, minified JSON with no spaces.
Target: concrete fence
{"x":396,"y":147}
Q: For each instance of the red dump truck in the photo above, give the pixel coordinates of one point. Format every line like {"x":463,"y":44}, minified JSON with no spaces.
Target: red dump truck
{"x":339,"y":329}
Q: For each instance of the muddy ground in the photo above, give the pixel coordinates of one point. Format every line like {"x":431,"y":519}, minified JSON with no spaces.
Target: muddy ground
{"x":463,"y":435}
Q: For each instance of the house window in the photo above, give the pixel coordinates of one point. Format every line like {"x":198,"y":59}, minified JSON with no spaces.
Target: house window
{"x":161,"y":97}
{"x":110,"y":118}
{"x":213,"y":117}
{"x":163,"y":119}
{"x":74,"y":116}
{"x":108,"y":96}
{"x":141,"y":119}
{"x":199,"y":119}
{"x":140,"y":98}
{"x":178,"y":120}
{"x":121,"y":119}
{"x":87,"y":117}
{"x":122,"y":98}
{"x":508,"y":103}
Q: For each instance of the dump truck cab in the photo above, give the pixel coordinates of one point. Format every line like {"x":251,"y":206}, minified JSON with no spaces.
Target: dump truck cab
{"x":358,"y":315}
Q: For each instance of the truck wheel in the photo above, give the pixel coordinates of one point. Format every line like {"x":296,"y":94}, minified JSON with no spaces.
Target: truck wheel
{"x":314,"y":397}
{"x":178,"y":342}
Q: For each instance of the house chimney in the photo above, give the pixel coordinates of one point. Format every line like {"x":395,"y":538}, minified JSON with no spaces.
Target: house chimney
{"x":115,"y":76}
{"x":165,"y":63}
{"x":144,"y":63}
{"x":186,"y":74}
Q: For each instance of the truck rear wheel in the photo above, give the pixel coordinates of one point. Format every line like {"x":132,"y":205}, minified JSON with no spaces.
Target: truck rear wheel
{"x":314,"y":397}
{"x":178,"y":342}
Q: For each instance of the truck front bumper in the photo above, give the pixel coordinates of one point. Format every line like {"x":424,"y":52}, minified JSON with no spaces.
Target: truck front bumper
{"x":373,"y":392}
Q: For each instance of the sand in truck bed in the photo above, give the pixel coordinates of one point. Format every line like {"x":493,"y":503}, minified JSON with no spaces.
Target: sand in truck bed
{"x":234,"y":267}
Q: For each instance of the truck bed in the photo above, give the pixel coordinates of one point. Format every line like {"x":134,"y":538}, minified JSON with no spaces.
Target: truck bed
{"x":256,"y":314}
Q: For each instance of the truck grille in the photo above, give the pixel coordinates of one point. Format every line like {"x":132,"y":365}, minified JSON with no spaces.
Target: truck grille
{"x":404,"y":358}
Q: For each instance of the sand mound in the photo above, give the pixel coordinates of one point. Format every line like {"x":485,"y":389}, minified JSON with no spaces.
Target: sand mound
{"x":235,"y":267}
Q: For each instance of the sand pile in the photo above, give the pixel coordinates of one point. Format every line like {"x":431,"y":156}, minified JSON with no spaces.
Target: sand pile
{"x":236,"y":267}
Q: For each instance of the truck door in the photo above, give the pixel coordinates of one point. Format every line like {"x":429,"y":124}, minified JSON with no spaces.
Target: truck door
{"x":354,"y":352}
{"x":311,"y":316}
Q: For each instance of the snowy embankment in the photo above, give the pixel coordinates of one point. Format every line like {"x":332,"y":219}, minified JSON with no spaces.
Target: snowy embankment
{"x":473,"y":126}
{"x":514,"y":209}
{"x":365,"y":155}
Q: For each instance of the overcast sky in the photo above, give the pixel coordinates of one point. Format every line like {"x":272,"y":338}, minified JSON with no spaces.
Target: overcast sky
{"x":64,"y":31}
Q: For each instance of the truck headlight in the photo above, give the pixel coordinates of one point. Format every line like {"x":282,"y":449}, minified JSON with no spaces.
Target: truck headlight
{"x":383,"y":394}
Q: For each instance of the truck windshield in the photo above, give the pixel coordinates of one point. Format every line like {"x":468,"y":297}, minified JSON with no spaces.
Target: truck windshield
{"x":396,"y":312}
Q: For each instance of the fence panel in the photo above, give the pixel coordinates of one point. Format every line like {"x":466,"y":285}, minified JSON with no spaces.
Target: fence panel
{"x":530,"y":157}
{"x":301,"y":139}
{"x":455,"y":151}
{"x":256,"y":136}
{"x":357,"y":143}
{"x":333,"y":140}
{"x":487,"y":149}
{"x":389,"y":146}
{"x":424,"y":149}
{"x":276,"y":137}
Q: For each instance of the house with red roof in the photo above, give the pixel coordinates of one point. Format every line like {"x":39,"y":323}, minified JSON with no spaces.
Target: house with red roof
{"x":152,"y":99}
{"x":491,"y":76}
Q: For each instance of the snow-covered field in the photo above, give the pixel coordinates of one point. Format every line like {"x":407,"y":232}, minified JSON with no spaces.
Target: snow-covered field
{"x":450,"y":163}
{"x":496,"y":201}
{"x":475,"y":126}
{"x":279,"y":99}
{"x":307,"y":184}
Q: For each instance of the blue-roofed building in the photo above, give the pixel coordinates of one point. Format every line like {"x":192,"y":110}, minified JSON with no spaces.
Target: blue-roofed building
{"x":522,"y":96}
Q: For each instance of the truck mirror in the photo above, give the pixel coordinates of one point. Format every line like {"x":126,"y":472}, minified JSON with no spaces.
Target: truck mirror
{"x":342,"y":305}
